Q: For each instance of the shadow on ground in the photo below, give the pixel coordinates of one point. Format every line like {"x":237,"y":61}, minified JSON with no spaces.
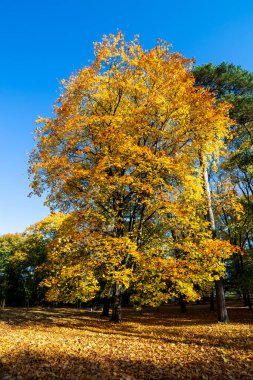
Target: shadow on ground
{"x":35,"y":367}
{"x":164,"y":325}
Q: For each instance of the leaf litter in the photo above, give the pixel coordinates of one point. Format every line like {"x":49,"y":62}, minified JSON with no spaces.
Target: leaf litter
{"x":72,"y":344}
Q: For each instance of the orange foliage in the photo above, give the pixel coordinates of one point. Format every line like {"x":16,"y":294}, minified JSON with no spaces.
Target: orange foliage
{"x":121,"y":155}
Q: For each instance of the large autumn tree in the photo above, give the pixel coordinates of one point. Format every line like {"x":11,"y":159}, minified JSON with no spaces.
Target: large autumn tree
{"x":124,"y":155}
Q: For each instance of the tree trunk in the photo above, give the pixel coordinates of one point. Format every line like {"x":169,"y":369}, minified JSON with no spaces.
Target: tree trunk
{"x":116,"y":304}
{"x":220,"y":300}
{"x":244,"y":296}
{"x":212,"y":306}
{"x":249,"y":303}
{"x":222,"y":313}
{"x":2,"y":304}
{"x":182,"y":303}
{"x":106,"y":307}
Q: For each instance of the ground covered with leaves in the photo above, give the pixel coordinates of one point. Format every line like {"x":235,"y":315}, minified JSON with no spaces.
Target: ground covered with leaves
{"x":45,"y":344}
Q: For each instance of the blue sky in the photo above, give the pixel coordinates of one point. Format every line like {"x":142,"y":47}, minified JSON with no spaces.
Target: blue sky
{"x":44,"y":41}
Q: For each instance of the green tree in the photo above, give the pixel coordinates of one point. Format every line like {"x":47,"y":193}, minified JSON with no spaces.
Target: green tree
{"x":20,"y":257}
{"x":9,"y":245}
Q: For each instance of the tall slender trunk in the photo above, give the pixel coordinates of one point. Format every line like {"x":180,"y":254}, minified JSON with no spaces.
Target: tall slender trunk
{"x":116,"y":304}
{"x":247,"y":301}
{"x":2,"y":303}
{"x":245,"y":292}
{"x":244,"y":297}
{"x":3,"y":293}
{"x":222,"y":313}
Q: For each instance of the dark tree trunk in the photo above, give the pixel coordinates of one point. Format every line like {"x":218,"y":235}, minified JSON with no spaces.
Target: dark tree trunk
{"x":222,"y":313}
{"x":212,"y":306}
{"x":182,"y":303}
{"x":106,"y":307}
{"x":245,"y":301}
{"x":249,"y":303}
{"x":116,"y":304}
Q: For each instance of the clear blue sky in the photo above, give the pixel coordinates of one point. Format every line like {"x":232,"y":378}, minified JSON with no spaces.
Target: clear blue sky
{"x":44,"y":41}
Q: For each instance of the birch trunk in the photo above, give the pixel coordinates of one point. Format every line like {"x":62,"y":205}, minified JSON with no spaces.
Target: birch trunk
{"x":222,"y":313}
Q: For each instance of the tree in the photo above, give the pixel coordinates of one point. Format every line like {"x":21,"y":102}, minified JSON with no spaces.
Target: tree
{"x":21,"y":256}
{"x":121,"y":156}
{"x":9,"y":245}
{"x":34,"y":253}
{"x":234,"y":84}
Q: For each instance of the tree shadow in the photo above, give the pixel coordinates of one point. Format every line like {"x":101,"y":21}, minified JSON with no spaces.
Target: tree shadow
{"x":33,"y":366}
{"x":166,"y":325}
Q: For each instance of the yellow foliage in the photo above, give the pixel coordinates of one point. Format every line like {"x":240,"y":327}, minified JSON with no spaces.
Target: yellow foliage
{"x":121,"y":155}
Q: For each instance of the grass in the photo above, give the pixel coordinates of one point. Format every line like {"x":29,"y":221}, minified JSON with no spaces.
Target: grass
{"x":46,"y":344}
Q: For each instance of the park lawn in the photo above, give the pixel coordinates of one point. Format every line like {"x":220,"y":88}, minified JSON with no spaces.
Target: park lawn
{"x":41,"y":343}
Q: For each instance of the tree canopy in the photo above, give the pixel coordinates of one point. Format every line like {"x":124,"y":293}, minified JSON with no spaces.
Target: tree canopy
{"x":123,"y":155}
